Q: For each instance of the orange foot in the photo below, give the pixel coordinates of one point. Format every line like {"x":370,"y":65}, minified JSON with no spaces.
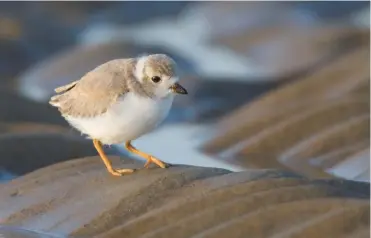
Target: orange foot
{"x":111,"y":170}
{"x":150,"y":159}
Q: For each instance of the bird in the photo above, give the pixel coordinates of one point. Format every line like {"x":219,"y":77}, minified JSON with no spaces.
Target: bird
{"x":120,"y":101}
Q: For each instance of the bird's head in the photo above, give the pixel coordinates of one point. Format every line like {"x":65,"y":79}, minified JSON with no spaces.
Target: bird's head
{"x":158,"y":74}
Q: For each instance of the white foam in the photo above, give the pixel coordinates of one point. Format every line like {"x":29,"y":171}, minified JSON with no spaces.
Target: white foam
{"x":179,"y":143}
{"x":187,"y":37}
{"x":351,"y":168}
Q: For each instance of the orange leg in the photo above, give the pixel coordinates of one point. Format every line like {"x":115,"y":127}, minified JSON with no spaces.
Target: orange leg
{"x":150,"y":159}
{"x":107,"y":163}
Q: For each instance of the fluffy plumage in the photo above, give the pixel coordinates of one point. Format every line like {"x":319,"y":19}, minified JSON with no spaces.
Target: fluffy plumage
{"x":118,"y":101}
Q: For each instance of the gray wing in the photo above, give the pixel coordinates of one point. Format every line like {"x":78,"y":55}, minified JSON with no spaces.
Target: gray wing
{"x":94,"y":93}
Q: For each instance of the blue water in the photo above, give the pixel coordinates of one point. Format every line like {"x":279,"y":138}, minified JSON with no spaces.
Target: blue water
{"x":10,"y":232}
{"x":6,"y":175}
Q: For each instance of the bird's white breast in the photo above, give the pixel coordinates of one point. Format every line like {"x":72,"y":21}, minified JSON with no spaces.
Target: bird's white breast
{"x":128,"y":119}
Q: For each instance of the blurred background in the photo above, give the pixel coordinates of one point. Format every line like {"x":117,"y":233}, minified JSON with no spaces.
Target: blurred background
{"x":272,"y":84}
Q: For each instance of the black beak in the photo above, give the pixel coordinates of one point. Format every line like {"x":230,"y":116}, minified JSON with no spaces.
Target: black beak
{"x":177,"y":88}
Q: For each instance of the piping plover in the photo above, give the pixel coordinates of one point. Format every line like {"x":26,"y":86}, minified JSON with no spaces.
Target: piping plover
{"x":120,"y":101}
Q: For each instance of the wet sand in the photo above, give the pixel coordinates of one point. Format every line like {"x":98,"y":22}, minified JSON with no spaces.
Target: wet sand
{"x":80,"y":198}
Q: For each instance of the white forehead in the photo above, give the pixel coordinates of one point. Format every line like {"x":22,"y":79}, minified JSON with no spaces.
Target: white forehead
{"x":139,"y":67}
{"x":155,"y":60}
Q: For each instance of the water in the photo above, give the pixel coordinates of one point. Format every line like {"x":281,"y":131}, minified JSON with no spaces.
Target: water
{"x":16,"y":232}
{"x":6,"y":175}
{"x":179,"y":144}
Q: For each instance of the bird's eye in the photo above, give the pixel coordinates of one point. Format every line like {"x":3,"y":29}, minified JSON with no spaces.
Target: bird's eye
{"x":156,"y":79}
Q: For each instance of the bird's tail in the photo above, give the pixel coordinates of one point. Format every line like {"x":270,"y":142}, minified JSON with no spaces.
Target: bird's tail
{"x":66,"y":88}
{"x":55,"y":100}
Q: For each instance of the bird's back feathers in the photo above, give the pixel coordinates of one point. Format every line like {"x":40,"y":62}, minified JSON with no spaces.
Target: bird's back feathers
{"x":96,"y":91}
